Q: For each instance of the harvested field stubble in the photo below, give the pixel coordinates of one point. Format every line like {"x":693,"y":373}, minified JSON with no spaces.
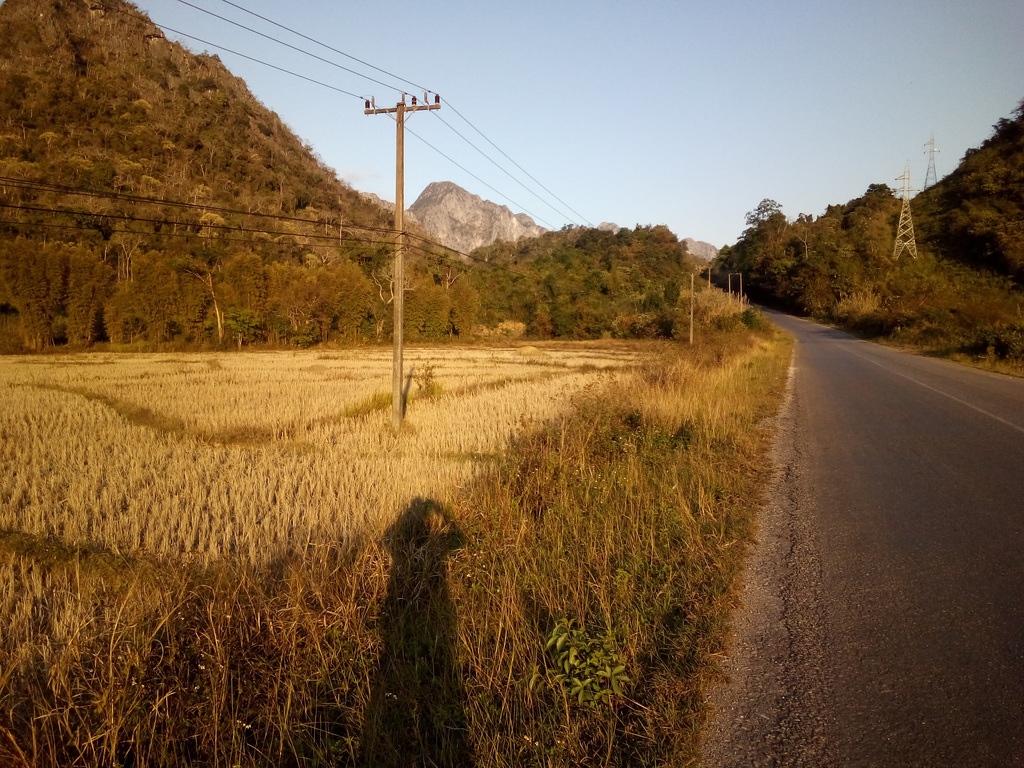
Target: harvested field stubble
{"x":255,"y":456}
{"x":324,"y":592}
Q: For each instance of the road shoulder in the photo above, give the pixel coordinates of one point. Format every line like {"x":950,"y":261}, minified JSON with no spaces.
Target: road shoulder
{"x":777,"y":638}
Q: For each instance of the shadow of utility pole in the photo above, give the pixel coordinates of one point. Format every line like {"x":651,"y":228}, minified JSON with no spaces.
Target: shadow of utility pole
{"x":405,"y":393}
{"x":416,"y":715}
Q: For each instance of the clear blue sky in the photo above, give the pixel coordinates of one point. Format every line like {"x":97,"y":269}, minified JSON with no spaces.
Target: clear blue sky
{"x":652,"y":112}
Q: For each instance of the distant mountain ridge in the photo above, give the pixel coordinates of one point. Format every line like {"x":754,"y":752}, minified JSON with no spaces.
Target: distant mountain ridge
{"x":461,"y":220}
{"x":465,"y":222}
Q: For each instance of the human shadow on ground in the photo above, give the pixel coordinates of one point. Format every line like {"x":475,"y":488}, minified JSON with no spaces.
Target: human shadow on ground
{"x":416,"y":715}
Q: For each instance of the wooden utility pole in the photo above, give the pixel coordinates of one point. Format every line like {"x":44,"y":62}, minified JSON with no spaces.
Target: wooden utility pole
{"x":691,"y":307}
{"x":398,"y":275}
{"x":740,"y":275}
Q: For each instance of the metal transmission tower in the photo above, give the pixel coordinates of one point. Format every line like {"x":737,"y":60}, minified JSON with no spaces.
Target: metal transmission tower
{"x":930,"y":177}
{"x":905,"y":231}
{"x":398,"y":273}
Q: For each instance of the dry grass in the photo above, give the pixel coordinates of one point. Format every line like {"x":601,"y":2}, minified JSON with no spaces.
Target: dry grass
{"x":253,"y":455}
{"x":857,"y":307}
{"x":328,"y":593}
{"x":627,"y":517}
{"x":711,"y":304}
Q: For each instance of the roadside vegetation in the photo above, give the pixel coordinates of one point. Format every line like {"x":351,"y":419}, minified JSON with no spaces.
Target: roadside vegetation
{"x":962,"y":296}
{"x":550,"y":590}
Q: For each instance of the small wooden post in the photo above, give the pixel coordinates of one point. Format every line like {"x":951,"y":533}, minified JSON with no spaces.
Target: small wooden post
{"x":691,"y":308}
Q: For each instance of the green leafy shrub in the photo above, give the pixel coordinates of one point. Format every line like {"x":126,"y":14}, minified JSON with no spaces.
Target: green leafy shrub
{"x":754,"y":320}
{"x":587,"y":668}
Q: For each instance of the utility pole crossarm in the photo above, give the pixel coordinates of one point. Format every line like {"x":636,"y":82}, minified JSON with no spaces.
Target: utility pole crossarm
{"x":393,"y":110}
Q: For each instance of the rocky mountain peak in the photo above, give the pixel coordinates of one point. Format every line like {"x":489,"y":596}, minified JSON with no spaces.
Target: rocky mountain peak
{"x":701,"y":250}
{"x":464,"y":221}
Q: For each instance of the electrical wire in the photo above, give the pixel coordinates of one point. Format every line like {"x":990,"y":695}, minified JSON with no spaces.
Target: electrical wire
{"x":164,"y":222}
{"x":288,"y":45}
{"x":120,"y":196}
{"x":235,"y":53}
{"x":325,"y":241}
{"x":466,"y":170}
{"x":44,"y":186}
{"x":517,"y":165}
{"x":248,"y":241}
{"x":329,"y":48}
{"x":579,"y":217}
{"x":498,"y":166}
{"x":185,"y":235}
{"x":347,"y":93}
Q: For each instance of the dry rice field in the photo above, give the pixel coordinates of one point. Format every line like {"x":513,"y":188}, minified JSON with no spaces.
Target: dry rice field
{"x":249,"y":455}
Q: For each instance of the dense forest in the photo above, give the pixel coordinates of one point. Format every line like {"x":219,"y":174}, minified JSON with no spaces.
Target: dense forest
{"x":585,"y":283}
{"x":961,"y":294}
{"x":148,"y":199}
{"x":146,"y":194}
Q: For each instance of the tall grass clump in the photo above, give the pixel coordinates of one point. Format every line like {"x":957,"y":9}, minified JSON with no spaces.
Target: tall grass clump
{"x":623,"y":523}
{"x":561,"y":607}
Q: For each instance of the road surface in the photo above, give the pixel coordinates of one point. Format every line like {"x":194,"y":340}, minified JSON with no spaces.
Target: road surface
{"x":883,"y":608}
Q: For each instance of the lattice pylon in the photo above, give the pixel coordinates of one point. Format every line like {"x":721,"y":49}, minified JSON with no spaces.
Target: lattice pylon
{"x":931,"y":177}
{"x":905,"y":231}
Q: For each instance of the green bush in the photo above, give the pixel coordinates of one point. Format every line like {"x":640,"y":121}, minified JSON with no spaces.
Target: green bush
{"x":754,"y":320}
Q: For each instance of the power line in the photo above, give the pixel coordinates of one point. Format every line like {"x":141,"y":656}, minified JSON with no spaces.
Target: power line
{"x":326,"y":241}
{"x":517,"y":165}
{"x":498,"y":166}
{"x":186,"y":235}
{"x":120,"y":196}
{"x":236,"y":53}
{"x":459,"y":165}
{"x":45,"y":186}
{"x":227,"y":238}
{"x":579,"y":216}
{"x":288,"y":45}
{"x":329,"y":48}
{"x":217,"y":238}
{"x":167,"y":222}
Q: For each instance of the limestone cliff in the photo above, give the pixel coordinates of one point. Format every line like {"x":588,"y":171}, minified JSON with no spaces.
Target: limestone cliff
{"x":464,"y":221}
{"x":701,"y":250}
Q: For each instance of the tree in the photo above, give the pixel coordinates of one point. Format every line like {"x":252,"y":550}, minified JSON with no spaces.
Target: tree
{"x":765,"y":210}
{"x":243,"y":325}
{"x":464,"y":304}
{"x":155,"y":291}
{"x":36,"y":278}
{"x":90,"y":283}
{"x":244,"y":283}
{"x":540,"y":324}
{"x":427,"y":311}
{"x":352,"y":297}
{"x":205,"y":266}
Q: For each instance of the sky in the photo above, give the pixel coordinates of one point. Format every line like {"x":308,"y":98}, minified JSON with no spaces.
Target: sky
{"x":679,"y":112}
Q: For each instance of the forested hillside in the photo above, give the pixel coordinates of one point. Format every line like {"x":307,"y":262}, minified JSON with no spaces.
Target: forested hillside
{"x":976,"y":214}
{"x":961,"y":295}
{"x":147,"y":195}
{"x":585,"y":283}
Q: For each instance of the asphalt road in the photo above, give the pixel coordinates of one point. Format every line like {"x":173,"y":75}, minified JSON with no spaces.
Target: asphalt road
{"x":883,"y":610}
